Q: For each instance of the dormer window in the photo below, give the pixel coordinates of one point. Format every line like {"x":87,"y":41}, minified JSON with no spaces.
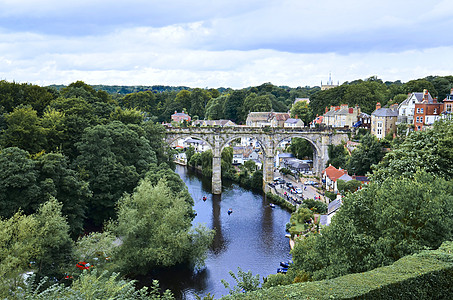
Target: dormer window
{"x":435,"y":111}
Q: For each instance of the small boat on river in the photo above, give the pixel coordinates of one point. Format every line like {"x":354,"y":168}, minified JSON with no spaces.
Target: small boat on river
{"x":272,"y":205}
{"x":230,"y":211}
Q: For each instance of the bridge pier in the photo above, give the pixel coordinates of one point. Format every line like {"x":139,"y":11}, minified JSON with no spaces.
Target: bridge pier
{"x":268,"y":171}
{"x":217,"y":175}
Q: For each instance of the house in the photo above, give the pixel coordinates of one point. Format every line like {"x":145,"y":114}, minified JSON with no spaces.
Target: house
{"x":199,"y":145}
{"x":279,"y":119}
{"x":426,"y":113}
{"x":448,"y":106}
{"x":332,"y":209}
{"x":293,"y":123}
{"x":258,"y":119}
{"x":406,"y":109}
{"x":329,"y":116}
{"x":330,"y":176}
{"x":363,"y":121}
{"x":264,"y":119}
{"x":383,"y":121}
{"x":283,"y":157}
{"x":296,"y":165}
{"x":318,"y":120}
{"x":341,"y":116}
{"x":362,"y":179}
{"x":180,"y":117}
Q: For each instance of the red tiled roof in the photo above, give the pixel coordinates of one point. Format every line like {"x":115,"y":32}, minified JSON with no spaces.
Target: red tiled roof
{"x":334,"y":173}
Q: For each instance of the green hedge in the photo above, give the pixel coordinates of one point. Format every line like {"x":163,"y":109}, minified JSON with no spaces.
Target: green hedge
{"x":427,"y":275}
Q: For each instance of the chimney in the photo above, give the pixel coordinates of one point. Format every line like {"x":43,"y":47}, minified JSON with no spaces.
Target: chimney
{"x":425,"y":94}
{"x":337,"y":108}
{"x":451,"y":91}
{"x":327,"y":109}
{"x":176,"y":112}
{"x":351,"y":110}
{"x":378,"y":105}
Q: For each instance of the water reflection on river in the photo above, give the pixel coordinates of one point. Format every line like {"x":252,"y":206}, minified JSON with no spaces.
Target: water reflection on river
{"x":252,"y":237}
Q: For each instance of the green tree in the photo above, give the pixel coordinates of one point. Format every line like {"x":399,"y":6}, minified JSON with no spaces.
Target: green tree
{"x":245,"y":282}
{"x":55,"y":244}
{"x":348,"y":186}
{"x":113,"y":158}
{"x":301,"y":148}
{"x":368,"y":153}
{"x":427,"y":150}
{"x":154,"y":226}
{"x":254,"y":103}
{"x":338,"y":156}
{"x":57,"y":179}
{"x":19,"y":186}
{"x":379,"y":224}
{"x":143,"y":101}
{"x":233,"y":106}
{"x":189,"y":153}
{"x":18,"y":246}
{"x":199,"y":100}
{"x":418,"y":85}
{"x":127,"y":116}
{"x":53,"y":123}
{"x":206,"y":163}
{"x":24,"y":130}
{"x":214,"y":108}
{"x":302,"y":111}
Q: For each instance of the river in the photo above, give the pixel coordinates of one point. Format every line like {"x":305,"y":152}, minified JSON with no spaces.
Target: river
{"x":252,"y":237}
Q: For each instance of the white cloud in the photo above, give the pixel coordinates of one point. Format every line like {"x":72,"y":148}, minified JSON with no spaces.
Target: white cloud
{"x":236,"y":43}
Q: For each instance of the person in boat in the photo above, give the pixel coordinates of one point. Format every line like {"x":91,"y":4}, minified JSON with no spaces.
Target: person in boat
{"x":204,"y":198}
{"x":230,"y":211}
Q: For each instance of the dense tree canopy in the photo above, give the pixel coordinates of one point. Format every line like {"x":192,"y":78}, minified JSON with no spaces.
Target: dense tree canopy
{"x":154,"y":225}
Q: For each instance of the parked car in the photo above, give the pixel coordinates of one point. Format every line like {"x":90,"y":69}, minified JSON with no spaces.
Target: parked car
{"x":289,"y":184}
{"x":310,"y":182}
{"x":298,"y":190}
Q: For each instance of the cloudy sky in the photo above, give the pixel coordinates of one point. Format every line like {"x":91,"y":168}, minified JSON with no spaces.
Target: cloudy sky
{"x":229,"y":43}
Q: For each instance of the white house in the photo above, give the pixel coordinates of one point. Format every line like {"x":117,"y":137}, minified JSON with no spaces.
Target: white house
{"x":406,"y":109}
{"x":293,"y":123}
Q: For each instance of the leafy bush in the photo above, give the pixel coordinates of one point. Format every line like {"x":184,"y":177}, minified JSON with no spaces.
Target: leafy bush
{"x":427,"y":275}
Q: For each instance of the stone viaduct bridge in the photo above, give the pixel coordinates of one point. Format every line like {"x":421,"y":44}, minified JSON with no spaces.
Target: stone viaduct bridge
{"x":268,"y":137}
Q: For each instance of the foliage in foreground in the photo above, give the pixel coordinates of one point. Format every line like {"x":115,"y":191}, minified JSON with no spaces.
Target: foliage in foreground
{"x":154,"y":225}
{"x":427,"y":275}
{"x":91,"y":285}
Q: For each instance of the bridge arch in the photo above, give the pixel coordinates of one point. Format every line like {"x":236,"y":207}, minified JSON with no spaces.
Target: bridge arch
{"x":174,"y":138}
{"x":230,"y":139}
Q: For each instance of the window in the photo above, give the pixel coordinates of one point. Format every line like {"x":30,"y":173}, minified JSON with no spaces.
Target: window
{"x":418,"y":110}
{"x":435,"y":111}
{"x":421,"y":119}
{"x":417,"y":120}
{"x":421,"y":110}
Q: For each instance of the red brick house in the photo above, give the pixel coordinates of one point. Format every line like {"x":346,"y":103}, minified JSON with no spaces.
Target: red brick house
{"x":426,"y":112}
{"x":179,"y":117}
